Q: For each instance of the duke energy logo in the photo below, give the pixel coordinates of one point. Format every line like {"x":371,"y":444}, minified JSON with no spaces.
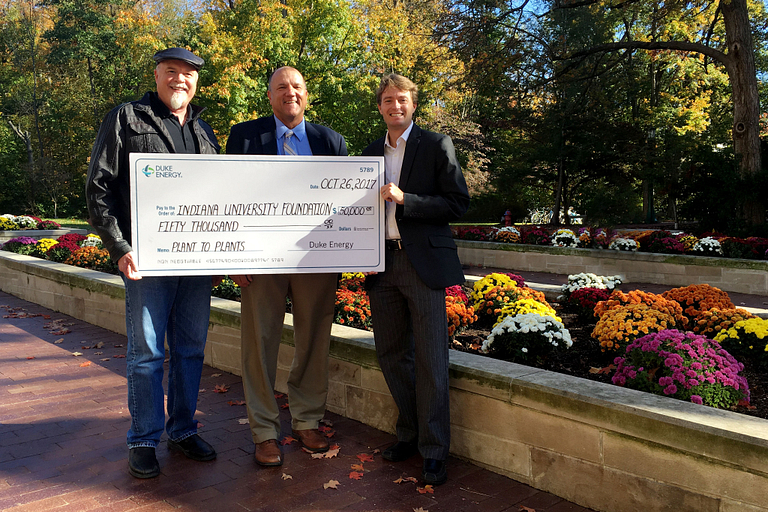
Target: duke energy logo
{"x":161,"y":171}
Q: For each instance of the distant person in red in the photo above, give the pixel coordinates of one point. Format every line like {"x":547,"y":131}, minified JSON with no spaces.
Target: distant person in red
{"x":157,"y":309}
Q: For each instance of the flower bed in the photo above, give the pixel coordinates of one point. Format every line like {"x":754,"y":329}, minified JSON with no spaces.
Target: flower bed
{"x":636,"y":339}
{"x":517,"y":322}
{"x":653,"y":241}
{"x":70,"y":248}
{"x":10,"y":222}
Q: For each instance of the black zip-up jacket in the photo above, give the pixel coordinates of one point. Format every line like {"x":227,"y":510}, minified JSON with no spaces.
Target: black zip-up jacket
{"x":129,"y":128}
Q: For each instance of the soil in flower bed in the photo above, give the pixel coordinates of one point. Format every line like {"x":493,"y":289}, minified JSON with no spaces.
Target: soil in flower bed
{"x":584,"y":359}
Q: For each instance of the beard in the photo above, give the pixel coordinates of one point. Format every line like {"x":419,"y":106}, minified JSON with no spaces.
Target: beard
{"x":177,"y":100}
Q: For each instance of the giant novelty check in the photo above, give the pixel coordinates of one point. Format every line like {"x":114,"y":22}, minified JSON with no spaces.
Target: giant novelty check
{"x":248,"y":214}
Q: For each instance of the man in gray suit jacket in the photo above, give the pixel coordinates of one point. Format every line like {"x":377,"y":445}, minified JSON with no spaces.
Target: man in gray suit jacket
{"x":263,"y":296}
{"x":425,"y":191}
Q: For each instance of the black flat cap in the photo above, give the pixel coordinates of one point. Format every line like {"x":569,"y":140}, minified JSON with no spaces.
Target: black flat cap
{"x":179,"y":54}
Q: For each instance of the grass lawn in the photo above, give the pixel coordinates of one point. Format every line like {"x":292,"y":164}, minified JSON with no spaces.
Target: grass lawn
{"x":74,"y":223}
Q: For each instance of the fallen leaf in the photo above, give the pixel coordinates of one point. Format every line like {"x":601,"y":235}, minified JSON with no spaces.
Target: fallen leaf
{"x":200,"y":425}
{"x":376,"y":451}
{"x":602,"y":371}
{"x":406,"y":479}
{"x":59,"y":332}
{"x":475,"y":346}
{"x":77,"y":354}
{"x":316,"y":455}
{"x":119,"y":345}
{"x":287,"y":440}
{"x":323,"y":428}
{"x":97,"y":353}
{"x":357,"y":467}
{"x":47,"y":317}
{"x":119,"y":356}
{"x":331,"y":484}
{"x":85,"y":347}
{"x":287,"y":477}
{"x":279,"y":395}
{"x":284,"y":406}
{"x":220,"y":388}
{"x":86,"y":363}
{"x":355,"y":475}
{"x":236,"y":402}
{"x":426,"y":489}
{"x":332,"y":453}
{"x":330,"y":434}
{"x":365,"y":457}
{"x":419,"y":510}
{"x":201,"y":390}
{"x":243,"y":421}
{"x":59,"y":341}
{"x":744,"y":403}
{"x":334,"y":447}
{"x":105,"y":359}
{"x":326,"y":422}
{"x":523,"y":508}
{"x":99,"y":345}
{"x":219,"y":375}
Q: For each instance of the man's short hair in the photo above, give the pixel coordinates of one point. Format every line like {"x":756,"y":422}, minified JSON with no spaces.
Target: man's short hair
{"x":269,"y":79}
{"x":398,"y":82}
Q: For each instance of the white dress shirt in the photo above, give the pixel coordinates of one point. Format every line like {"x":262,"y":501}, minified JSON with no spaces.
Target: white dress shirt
{"x":393,"y":164}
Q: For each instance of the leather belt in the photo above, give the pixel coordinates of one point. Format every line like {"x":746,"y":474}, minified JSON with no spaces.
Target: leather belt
{"x":393,"y":245}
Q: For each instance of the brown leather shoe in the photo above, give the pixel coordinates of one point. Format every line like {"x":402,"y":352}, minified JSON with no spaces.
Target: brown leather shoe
{"x":268,"y":453}
{"x":312,"y":440}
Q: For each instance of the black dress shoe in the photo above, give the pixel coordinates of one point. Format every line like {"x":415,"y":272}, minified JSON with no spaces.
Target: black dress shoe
{"x":142,"y":462}
{"x":434,"y":472}
{"x":193,"y":447}
{"x":400,"y":451}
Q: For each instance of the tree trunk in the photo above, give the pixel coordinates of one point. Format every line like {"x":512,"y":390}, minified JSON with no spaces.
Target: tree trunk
{"x":746,"y":103}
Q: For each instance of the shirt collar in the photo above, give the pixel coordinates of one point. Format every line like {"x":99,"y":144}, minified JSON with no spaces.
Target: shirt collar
{"x":404,"y":136}
{"x":299,"y":131}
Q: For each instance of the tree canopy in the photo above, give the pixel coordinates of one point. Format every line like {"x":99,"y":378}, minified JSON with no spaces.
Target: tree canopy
{"x":605,"y":107}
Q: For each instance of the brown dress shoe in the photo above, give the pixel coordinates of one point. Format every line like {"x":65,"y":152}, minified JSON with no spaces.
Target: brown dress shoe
{"x":268,"y":453}
{"x":312,"y":440}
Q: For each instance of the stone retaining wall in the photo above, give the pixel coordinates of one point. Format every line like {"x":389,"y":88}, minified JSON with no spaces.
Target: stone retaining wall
{"x":604,"y":447}
{"x":729,"y":274}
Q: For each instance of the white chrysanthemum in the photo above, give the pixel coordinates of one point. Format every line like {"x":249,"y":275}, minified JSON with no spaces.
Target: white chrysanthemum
{"x":565,"y":238}
{"x":708,"y":245}
{"x":25,"y":222}
{"x":92,"y":241}
{"x":588,"y":280}
{"x":526,"y":323}
{"x":623,"y":244}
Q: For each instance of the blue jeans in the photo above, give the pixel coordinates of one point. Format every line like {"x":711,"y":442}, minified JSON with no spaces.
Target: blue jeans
{"x":154,"y":307}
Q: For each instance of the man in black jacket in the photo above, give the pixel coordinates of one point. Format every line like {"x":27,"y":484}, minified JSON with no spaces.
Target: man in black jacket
{"x":161,"y":122}
{"x":425,"y":191}
{"x":313,"y":296}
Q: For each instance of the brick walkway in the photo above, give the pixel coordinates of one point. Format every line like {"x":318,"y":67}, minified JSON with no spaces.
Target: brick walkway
{"x":63,"y":421}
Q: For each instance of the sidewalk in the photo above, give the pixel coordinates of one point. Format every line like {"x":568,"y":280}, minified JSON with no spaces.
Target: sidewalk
{"x":63,"y":421}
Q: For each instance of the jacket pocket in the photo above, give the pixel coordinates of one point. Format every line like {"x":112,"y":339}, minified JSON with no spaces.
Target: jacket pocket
{"x":444,"y":242}
{"x":144,"y":138}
